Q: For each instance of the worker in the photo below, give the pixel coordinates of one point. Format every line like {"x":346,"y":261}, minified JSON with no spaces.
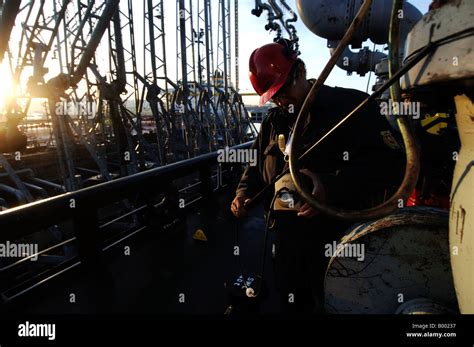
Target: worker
{"x":356,"y":167}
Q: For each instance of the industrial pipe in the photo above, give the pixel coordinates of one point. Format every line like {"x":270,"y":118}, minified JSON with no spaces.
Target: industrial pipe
{"x":361,"y":62}
{"x":121,"y":81}
{"x":41,"y":192}
{"x":330,"y":19}
{"x":272,"y":26}
{"x":10,"y":10}
{"x":17,"y":193}
{"x":53,"y":186}
{"x":102,"y":25}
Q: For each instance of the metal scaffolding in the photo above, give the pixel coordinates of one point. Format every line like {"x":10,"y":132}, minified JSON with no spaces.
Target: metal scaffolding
{"x":111,"y":109}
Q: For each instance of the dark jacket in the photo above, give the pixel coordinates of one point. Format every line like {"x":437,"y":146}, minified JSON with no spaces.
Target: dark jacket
{"x":375,"y":161}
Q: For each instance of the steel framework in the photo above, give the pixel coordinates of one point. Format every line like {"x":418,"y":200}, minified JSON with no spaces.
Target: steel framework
{"x":112,"y":109}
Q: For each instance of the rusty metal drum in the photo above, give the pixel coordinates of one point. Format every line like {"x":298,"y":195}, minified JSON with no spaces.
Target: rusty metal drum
{"x":380,"y":265}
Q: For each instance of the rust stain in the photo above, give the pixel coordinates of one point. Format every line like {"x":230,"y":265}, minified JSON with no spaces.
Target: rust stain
{"x":460,"y":231}
{"x":463,"y":218}
{"x":457,"y":222}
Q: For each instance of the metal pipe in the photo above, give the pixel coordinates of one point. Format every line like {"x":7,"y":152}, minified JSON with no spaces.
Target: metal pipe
{"x":14,"y":177}
{"x":10,"y":10}
{"x":23,"y":291}
{"x":182,"y":33}
{"x":121,"y":72}
{"x":279,"y":15}
{"x":43,"y":251}
{"x":26,"y":54}
{"x":193,"y":51}
{"x":224,"y":46}
{"x":80,"y":29}
{"x":122,"y":217}
{"x":163,"y":58}
{"x":319,"y":15}
{"x":54,"y":35}
{"x":290,"y":27}
{"x":58,"y":188}
{"x":26,"y":172}
{"x":19,"y":196}
{"x":272,"y":26}
{"x":151,"y":34}
{"x":330,"y":19}
{"x":41,"y":192}
{"x":361,"y":62}
{"x":65,"y":159}
{"x":127,"y":236}
{"x":236,"y":43}
{"x":101,"y":26}
{"x":207,"y":38}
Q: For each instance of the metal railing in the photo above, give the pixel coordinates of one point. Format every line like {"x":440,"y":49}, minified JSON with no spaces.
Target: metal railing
{"x":80,"y":210}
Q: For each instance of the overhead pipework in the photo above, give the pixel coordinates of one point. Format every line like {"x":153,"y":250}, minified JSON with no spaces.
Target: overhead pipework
{"x":8,"y":12}
{"x":330,"y":20}
{"x":276,"y":13}
{"x":271,"y":25}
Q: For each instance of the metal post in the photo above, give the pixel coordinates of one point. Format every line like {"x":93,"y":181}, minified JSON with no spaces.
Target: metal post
{"x":209,"y":45}
{"x":236,"y":43}
{"x":102,"y":25}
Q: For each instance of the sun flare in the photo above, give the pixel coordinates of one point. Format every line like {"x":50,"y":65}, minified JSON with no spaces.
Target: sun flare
{"x":7,"y":86}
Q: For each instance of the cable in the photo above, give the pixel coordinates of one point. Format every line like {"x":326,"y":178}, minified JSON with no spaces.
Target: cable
{"x":319,"y":82}
{"x":414,"y":59}
{"x":412,"y":151}
{"x":254,"y":292}
{"x":267,"y":228}
{"x":411,"y":61}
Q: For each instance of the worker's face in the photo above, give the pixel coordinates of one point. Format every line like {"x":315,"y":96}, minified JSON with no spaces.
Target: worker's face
{"x":291,"y":95}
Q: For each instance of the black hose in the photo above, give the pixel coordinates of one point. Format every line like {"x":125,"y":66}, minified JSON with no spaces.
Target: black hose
{"x":412,"y":167}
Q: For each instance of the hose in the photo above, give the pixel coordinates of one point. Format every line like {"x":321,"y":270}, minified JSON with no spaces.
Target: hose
{"x":410,"y":61}
{"x":412,"y":167}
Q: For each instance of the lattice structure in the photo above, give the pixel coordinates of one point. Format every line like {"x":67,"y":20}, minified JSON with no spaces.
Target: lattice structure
{"x":111,"y":109}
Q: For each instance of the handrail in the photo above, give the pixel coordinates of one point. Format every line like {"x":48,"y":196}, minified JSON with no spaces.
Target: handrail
{"x":15,"y":222}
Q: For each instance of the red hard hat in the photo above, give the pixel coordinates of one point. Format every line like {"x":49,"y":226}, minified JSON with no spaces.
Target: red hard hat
{"x":269,"y":67}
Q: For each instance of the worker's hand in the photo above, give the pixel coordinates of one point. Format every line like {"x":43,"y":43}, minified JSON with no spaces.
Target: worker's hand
{"x":238,"y":206}
{"x":318,"y":192}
